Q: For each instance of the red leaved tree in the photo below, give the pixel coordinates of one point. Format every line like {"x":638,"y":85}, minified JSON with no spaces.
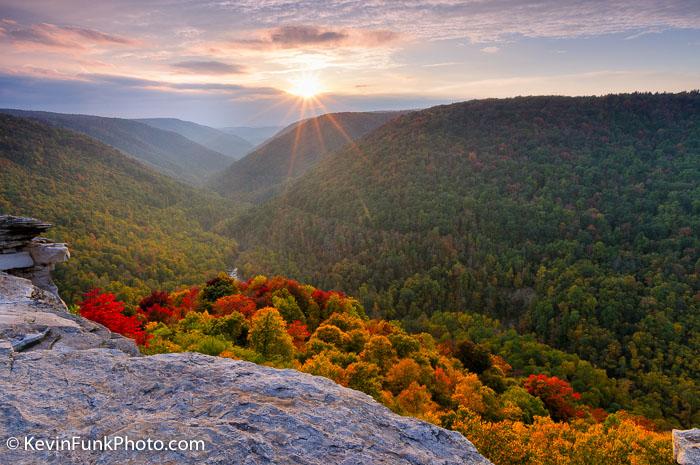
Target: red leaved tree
{"x":158,"y":306}
{"x":299,"y":333}
{"x":187,"y":301}
{"x":161,"y":298}
{"x":556,"y":394}
{"x":234,"y":303}
{"x":161,"y":314}
{"x":103,"y":308}
{"x":322,"y":297}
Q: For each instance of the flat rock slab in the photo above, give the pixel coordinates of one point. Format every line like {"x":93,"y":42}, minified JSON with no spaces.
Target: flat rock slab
{"x":9,"y":261}
{"x":245,"y":413}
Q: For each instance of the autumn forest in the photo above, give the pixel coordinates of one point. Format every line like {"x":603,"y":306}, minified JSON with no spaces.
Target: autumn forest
{"x":525,"y":268}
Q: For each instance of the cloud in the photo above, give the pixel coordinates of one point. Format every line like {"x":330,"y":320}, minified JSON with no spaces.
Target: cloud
{"x":133,"y":83}
{"x":477,"y":20}
{"x":480,"y":21}
{"x":643,"y":33}
{"x":96,"y":37}
{"x":301,"y":35}
{"x":121,"y":81}
{"x":376,"y":38}
{"x":491,"y":49}
{"x":207,"y":67}
{"x":141,"y":83}
{"x":51,"y":35}
{"x":441,"y":64}
{"x":315,"y":37}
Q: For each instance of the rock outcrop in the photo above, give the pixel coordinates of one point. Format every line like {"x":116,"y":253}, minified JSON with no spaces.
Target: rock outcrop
{"x":34,"y":319}
{"x":66,"y":382}
{"x":686,"y":446}
{"x":23,"y":254}
{"x":244,"y":413}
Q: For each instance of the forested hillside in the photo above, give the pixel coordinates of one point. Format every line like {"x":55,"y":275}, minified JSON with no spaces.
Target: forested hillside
{"x":576,"y":219}
{"x":129,"y":229}
{"x":165,"y":151}
{"x":269,"y":169}
{"x":220,"y":141}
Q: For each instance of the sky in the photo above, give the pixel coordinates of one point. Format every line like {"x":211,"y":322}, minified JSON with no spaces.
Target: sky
{"x":257,"y":62}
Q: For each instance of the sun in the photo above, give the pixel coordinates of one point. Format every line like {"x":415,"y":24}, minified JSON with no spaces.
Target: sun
{"x":305,"y":87}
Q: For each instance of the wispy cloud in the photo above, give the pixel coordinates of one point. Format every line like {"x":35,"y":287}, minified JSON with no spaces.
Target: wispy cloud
{"x":477,"y":20}
{"x":643,"y":33}
{"x":302,"y":35}
{"x":210,"y":87}
{"x":207,"y":67}
{"x":51,"y":35}
{"x":491,"y":49}
{"x":442,"y":64}
{"x":481,"y":21}
{"x":306,"y":36}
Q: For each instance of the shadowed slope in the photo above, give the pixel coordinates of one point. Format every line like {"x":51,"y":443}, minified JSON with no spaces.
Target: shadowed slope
{"x":266,"y":171}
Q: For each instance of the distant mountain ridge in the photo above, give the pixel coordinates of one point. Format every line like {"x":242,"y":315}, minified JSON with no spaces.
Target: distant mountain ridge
{"x":166,"y":151}
{"x":254,"y":135}
{"x":295,"y":149}
{"x":223,"y":142}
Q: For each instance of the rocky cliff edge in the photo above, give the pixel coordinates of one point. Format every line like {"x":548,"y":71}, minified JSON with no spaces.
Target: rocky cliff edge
{"x":68,"y":384}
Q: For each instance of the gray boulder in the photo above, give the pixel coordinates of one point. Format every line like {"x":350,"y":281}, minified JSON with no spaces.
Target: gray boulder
{"x":46,"y":252}
{"x":686,"y":446}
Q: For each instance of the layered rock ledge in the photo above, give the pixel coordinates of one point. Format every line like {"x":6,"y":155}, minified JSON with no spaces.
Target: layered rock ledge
{"x":24,"y":254}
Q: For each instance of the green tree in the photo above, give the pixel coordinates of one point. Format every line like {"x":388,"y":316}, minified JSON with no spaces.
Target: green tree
{"x":268,"y":335}
{"x":284,"y":301}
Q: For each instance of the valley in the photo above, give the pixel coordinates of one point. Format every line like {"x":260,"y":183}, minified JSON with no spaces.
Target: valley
{"x":445,"y":232}
{"x":555,"y":235}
